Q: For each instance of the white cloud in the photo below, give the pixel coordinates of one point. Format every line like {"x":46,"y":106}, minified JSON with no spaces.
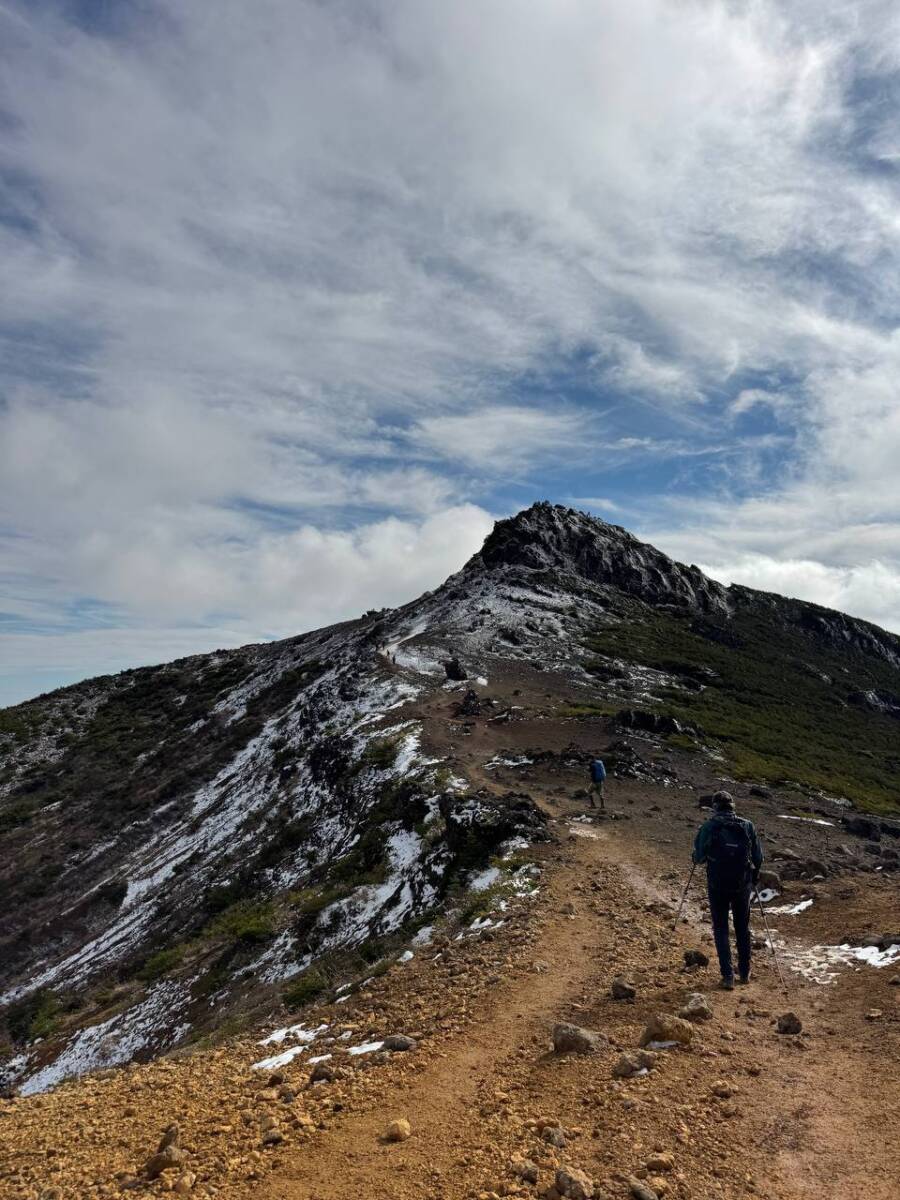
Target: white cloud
{"x":278,"y":271}
{"x":870,"y":590}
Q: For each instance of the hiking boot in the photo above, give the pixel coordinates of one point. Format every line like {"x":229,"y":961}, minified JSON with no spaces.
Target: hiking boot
{"x":727,"y":984}
{"x":744,"y":979}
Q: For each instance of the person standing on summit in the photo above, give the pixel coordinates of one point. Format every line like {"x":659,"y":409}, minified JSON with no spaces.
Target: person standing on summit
{"x":729,"y":846}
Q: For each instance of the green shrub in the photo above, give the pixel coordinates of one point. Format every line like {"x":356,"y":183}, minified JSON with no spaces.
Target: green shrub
{"x":304,"y":989}
{"x":34,"y":1016}
{"x":249,"y":923}
{"x":381,"y":753}
{"x":163,"y":962}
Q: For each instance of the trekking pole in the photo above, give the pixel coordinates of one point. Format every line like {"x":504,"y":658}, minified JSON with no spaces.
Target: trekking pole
{"x":771,"y":940}
{"x":684,"y":897}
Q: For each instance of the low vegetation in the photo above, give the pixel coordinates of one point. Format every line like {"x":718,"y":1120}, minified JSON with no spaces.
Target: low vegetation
{"x":777,"y":705}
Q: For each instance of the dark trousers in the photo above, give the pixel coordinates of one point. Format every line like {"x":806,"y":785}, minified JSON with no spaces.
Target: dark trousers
{"x":725,"y":898}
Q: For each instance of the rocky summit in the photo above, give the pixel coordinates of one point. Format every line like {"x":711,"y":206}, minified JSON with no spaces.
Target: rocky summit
{"x":190,"y":848}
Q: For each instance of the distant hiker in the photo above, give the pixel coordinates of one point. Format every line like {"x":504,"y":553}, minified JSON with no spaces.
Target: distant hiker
{"x":729,"y":846}
{"x":598,"y":775}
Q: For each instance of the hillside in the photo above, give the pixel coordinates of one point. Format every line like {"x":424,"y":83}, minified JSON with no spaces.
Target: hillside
{"x":188,"y":847}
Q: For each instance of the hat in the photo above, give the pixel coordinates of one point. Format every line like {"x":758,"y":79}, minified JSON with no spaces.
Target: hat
{"x":723,"y":801}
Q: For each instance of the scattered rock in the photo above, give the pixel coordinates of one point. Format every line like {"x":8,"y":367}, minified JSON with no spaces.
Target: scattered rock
{"x":894,"y":981}
{"x":696,"y":958}
{"x":572,"y":1039}
{"x":399,"y":1042}
{"x":640,"y":1191}
{"x":554,"y":1135}
{"x":184,"y":1183}
{"x":722,"y":1090}
{"x":620,"y":989}
{"x":865,"y":827}
{"x":322,"y":1072}
{"x":398,"y":1130}
{"x":455,"y":670}
{"x":632,"y":1063}
{"x":524,"y":1169}
{"x":769,"y":879}
{"x":789,"y":1022}
{"x":574,"y":1184}
{"x":163,"y":1160}
{"x":697,"y":1008}
{"x":273,"y":1137}
{"x":764,"y":793}
{"x":663,"y":1027}
{"x":660,"y":1163}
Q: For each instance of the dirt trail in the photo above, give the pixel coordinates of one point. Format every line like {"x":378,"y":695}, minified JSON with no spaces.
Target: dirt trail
{"x":792,"y":1127}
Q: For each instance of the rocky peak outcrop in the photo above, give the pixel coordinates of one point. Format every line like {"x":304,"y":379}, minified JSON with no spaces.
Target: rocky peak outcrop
{"x":551,"y":538}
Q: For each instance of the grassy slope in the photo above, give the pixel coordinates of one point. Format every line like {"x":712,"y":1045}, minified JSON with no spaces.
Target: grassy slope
{"x":770,"y":712}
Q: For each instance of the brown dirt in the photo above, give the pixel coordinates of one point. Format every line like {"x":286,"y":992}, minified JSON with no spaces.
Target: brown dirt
{"x":817,"y":1115}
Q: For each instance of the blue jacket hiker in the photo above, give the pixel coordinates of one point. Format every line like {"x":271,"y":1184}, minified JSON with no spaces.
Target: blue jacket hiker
{"x":598,"y":775}
{"x":729,"y":846}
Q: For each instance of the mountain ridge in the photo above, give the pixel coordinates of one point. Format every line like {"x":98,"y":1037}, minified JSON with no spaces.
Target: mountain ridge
{"x":248,"y":813}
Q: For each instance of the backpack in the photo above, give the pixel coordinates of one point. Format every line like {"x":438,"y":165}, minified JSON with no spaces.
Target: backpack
{"x":598,"y":771}
{"x":729,"y":850}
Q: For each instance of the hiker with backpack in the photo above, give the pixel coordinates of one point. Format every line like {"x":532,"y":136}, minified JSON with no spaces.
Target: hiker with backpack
{"x":729,"y":846}
{"x":598,"y":776}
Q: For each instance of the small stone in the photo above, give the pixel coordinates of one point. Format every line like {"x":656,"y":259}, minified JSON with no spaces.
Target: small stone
{"x":697,"y":1008}
{"x":272,"y":1137}
{"x":660,"y":1163}
{"x":574,"y":1184}
{"x":874,"y":1014}
{"x":621,"y":989}
{"x":399,"y":1042}
{"x":524,"y":1169}
{"x":554,"y":1135}
{"x":894,"y":981}
{"x":663,"y":1027}
{"x":696,"y":958}
{"x":398,"y":1130}
{"x":789,"y":1022}
{"x":632,"y":1063}
{"x":163,"y":1160}
{"x":322,"y":1072}
{"x":723,"y":1090}
{"x":184,"y":1183}
{"x":572,"y":1039}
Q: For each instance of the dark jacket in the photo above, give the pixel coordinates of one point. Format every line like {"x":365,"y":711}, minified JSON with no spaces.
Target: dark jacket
{"x":703,"y":840}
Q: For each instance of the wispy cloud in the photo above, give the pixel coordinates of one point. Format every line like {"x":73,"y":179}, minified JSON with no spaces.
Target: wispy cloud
{"x":291,"y":270}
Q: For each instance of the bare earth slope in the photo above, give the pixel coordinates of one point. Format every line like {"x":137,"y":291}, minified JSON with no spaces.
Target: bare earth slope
{"x":742,"y":1111}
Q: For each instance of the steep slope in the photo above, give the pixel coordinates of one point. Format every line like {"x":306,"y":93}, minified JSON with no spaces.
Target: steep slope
{"x":184,"y":842}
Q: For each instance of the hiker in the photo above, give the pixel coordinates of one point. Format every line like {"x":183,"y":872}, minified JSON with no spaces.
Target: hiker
{"x":729,"y":846}
{"x":598,"y":775}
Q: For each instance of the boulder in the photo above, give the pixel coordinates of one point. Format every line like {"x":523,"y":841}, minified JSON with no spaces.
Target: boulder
{"x":664,"y":1027}
{"x":864,"y":827}
{"x":573,"y":1039}
{"x":769,"y":879}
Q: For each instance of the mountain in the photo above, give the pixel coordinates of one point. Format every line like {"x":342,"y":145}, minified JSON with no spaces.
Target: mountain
{"x":186,"y":845}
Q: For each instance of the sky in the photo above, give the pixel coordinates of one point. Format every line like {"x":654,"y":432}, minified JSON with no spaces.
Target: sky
{"x":298,"y":296}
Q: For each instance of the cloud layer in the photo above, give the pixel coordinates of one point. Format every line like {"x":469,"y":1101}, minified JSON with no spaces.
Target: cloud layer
{"x":296,"y":294}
